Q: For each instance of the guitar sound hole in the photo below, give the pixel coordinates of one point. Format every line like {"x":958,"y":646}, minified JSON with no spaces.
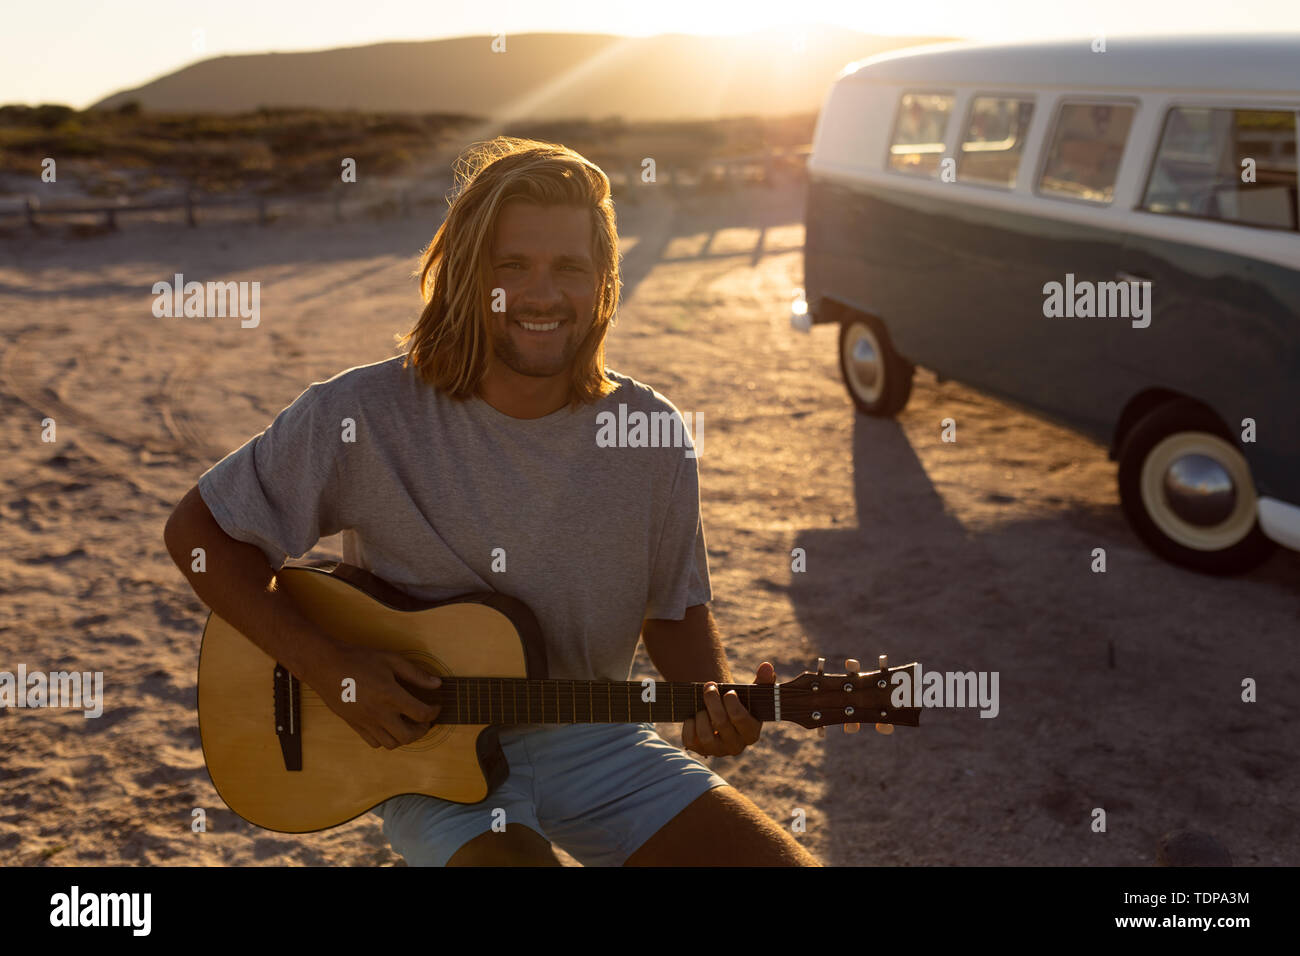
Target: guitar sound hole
{"x":439,"y":732}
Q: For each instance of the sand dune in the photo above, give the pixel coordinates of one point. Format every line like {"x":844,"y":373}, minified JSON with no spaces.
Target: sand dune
{"x":531,"y":76}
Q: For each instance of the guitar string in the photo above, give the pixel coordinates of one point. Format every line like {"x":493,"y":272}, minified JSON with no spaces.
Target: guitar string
{"x":500,"y":695}
{"x":496,"y":701}
{"x":553,"y":689}
{"x":539,"y":687}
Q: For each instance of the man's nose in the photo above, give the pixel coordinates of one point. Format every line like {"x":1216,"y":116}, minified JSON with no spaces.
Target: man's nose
{"x":540,"y":289}
{"x":541,"y":295}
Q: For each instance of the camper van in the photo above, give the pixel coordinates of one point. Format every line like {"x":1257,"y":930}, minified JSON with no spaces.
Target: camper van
{"x":1105,"y":231}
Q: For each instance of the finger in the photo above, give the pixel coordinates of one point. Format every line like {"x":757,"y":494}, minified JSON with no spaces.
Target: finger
{"x":766,"y":674}
{"x":414,"y":709}
{"x":408,"y":704}
{"x":415,"y":729}
{"x":706,"y":743}
{"x":689,"y":740}
{"x":713,"y":706}
{"x":701,"y":737}
{"x":410,"y":679}
{"x":728,"y":737}
{"x":716,"y":709}
{"x":399,"y":728}
{"x":746,"y":724}
{"x":385,"y":739}
{"x":415,"y":673}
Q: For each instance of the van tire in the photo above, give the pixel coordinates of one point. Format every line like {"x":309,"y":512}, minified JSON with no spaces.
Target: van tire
{"x":883,"y":390}
{"x":1226,"y":539}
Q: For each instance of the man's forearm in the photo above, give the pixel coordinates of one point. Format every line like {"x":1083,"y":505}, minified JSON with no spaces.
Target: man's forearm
{"x":235,"y":585}
{"x":689,"y":649}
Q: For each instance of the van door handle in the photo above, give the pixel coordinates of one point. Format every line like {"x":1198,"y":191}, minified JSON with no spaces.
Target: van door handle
{"x":1123,"y":276}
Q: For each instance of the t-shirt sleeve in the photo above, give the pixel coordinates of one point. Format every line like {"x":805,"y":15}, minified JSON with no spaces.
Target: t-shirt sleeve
{"x":679,"y":575}
{"x":280,"y":489}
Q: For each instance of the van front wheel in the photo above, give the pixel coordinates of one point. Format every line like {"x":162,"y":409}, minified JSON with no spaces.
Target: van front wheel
{"x":879,"y":380}
{"x":1188,"y":493}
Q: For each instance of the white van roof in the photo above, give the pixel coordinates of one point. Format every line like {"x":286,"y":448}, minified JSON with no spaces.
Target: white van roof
{"x":1264,"y":63}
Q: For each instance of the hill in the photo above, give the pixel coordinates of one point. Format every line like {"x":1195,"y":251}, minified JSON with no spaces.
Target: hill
{"x":538,"y":76}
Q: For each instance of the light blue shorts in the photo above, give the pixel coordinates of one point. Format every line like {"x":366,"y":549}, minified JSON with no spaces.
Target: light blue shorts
{"x":597,"y":790}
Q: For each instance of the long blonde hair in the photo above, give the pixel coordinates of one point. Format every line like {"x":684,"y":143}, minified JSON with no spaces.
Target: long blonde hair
{"x":450,"y":345}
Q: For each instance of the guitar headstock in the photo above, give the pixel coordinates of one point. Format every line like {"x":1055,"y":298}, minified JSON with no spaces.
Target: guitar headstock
{"x":852,"y":698}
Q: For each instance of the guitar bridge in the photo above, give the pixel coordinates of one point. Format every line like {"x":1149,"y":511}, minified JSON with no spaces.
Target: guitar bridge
{"x":288,"y":717}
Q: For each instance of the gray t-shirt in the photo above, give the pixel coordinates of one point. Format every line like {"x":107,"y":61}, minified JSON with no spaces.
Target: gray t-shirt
{"x":594,"y":539}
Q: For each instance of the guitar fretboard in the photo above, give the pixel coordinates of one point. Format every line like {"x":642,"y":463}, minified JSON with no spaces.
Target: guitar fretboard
{"x":507,"y":700}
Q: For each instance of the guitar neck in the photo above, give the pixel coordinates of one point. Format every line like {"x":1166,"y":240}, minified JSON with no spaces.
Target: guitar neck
{"x":509,"y":700}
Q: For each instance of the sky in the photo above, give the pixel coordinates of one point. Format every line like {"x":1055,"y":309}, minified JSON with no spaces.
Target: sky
{"x":78,"y":51}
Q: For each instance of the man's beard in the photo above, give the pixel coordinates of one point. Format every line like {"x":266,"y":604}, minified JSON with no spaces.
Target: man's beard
{"x":512,"y":358}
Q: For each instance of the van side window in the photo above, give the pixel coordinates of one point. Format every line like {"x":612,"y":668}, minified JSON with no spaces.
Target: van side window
{"x":919,"y":132}
{"x":1087,"y":144}
{"x":995,"y":138}
{"x":1225,"y":164}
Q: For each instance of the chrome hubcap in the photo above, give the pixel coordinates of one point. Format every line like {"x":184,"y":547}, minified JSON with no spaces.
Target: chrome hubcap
{"x":863,"y":363}
{"x":1197,"y":489}
{"x":1200,"y":490}
{"x":866,"y":363}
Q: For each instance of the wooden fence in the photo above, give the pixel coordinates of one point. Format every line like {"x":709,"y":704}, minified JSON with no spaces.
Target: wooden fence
{"x":191,"y":205}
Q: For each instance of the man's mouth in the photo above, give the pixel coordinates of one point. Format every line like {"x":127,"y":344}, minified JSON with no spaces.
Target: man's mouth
{"x":539,"y":326}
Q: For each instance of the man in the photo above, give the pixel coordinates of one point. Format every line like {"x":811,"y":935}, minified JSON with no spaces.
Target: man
{"x":471,"y":464}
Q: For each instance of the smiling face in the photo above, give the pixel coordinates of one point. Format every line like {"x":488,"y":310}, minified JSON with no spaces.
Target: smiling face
{"x":541,"y":257}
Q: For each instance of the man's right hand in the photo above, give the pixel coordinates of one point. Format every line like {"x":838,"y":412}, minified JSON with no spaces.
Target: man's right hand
{"x":384,"y":713}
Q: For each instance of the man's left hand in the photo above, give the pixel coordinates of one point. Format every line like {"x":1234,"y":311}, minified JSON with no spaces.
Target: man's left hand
{"x":724,"y":728}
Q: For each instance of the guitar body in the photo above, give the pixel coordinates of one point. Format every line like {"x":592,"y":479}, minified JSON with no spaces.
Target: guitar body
{"x":283,"y":760}
{"x":340,"y":775}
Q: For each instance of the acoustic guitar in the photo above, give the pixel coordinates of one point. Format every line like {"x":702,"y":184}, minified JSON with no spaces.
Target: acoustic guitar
{"x":281,"y":759}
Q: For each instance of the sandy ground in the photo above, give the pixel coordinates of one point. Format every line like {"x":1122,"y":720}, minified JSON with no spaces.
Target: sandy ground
{"x":965,"y":556}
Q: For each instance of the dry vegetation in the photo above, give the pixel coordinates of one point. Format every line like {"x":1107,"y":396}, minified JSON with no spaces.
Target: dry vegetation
{"x":270,"y":152}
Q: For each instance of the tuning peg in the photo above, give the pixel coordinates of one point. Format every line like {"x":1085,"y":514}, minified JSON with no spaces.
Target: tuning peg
{"x":852,"y":728}
{"x":884,"y":662}
{"x":821,"y":731}
{"x":885,"y":729}
{"x":821,"y":665}
{"x":853,"y":666}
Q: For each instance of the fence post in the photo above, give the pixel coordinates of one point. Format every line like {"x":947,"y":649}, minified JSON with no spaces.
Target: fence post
{"x":32,"y":204}
{"x":191,"y":200}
